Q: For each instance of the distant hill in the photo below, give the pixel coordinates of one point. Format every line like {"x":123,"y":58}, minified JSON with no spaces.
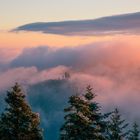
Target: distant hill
{"x":49,"y":99}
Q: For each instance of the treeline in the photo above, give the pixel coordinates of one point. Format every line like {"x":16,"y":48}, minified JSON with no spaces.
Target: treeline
{"x":83,"y":120}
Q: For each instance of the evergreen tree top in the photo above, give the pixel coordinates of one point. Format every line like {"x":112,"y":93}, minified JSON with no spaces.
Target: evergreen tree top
{"x":89,"y":95}
{"x":18,"y":121}
{"x":134,"y":133}
{"x":117,"y":126}
{"x":83,"y":120}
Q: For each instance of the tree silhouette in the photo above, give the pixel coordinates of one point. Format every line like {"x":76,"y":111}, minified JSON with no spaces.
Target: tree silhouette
{"x":83,"y":120}
{"x":134,"y":133}
{"x":117,"y":127}
{"x":18,"y":122}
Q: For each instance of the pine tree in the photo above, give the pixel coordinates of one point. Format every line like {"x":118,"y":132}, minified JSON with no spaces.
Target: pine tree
{"x":134,"y":133}
{"x":117,"y":127}
{"x":83,"y":120}
{"x":18,"y":122}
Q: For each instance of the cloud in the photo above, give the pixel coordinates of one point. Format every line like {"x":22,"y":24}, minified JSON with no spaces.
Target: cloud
{"x":29,"y":76}
{"x":111,"y":67}
{"x":113,"y":54}
{"x":120,"y":24}
{"x":46,"y":57}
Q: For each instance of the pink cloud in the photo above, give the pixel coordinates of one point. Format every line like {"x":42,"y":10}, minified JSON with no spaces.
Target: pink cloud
{"x":30,"y":75}
{"x":111,"y":66}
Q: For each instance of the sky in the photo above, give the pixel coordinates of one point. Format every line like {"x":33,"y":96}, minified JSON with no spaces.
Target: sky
{"x":18,"y":12}
{"x":96,"y":41}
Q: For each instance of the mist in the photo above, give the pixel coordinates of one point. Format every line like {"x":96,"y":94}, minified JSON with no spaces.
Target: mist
{"x":112,"y":68}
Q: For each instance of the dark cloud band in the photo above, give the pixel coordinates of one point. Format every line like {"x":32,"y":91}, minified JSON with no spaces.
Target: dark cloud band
{"x":120,"y":24}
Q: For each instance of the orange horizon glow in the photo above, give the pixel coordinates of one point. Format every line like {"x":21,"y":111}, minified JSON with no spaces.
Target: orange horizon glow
{"x":32,"y":39}
{"x":12,"y":44}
